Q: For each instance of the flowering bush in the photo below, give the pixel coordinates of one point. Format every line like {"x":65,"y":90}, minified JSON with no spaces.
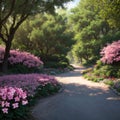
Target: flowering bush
{"x":24,"y":58}
{"x":111,"y":53}
{"x":28,"y":82}
{"x":11,"y":99}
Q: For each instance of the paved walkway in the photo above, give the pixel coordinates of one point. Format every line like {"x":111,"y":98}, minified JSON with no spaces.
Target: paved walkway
{"x":80,"y":100}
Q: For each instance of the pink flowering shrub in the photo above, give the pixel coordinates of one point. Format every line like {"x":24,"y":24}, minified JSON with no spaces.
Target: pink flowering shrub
{"x":28,"y":82}
{"x":109,"y":64}
{"x":111,"y":53}
{"x":11,"y":99}
{"x":24,"y":58}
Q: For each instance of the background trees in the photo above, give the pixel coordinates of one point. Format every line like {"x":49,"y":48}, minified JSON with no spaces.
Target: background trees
{"x":14,"y":12}
{"x":109,"y":10}
{"x":92,"y":24}
{"x":46,"y":36}
{"x":92,"y":30}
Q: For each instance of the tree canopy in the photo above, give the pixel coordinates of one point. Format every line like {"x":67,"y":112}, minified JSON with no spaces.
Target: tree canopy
{"x":110,"y":10}
{"x":14,"y":12}
{"x":45,"y":35}
{"x":88,"y":29}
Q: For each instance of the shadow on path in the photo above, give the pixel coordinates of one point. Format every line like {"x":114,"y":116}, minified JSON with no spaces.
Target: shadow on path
{"x":81,"y":100}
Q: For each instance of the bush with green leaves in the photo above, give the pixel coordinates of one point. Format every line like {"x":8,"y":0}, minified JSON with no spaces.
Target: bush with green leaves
{"x":56,"y":61}
{"x":106,"y":70}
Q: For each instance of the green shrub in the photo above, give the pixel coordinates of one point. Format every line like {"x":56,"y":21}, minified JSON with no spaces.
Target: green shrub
{"x":56,"y":62}
{"x":46,"y":90}
{"x":19,"y":68}
{"x":106,"y":70}
{"x":109,"y":82}
{"x":87,"y":70}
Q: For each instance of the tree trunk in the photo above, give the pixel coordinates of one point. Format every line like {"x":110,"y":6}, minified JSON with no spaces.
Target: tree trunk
{"x":6,"y":56}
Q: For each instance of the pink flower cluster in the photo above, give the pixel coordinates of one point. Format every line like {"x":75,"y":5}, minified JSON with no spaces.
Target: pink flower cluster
{"x":12,"y":98}
{"x":28,"y":82}
{"x":111,"y":53}
{"x":25,"y":58}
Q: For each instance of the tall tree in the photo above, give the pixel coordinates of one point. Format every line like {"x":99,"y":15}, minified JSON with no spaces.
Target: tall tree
{"x":109,"y":10}
{"x":14,"y":12}
{"x":88,"y":28}
{"x":46,"y":35}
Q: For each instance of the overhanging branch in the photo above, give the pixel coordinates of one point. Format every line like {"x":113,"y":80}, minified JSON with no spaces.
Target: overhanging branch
{"x":9,"y":13}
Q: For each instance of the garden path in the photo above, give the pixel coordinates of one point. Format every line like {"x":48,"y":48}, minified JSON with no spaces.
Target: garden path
{"x":80,"y":100}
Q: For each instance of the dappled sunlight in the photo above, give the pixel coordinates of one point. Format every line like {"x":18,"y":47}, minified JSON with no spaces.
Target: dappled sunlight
{"x":84,"y":89}
{"x":113,"y":98}
{"x":95,"y":94}
{"x":80,"y":99}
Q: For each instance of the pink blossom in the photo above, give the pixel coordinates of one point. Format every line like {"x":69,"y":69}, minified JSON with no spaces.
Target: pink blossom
{"x":17,"y":96}
{"x":7,"y":104}
{"x":28,"y":82}
{"x":111,"y":53}
{"x":17,"y":99}
{"x":24,"y":96}
{"x":5,"y":110}
{"x":24,"y":58}
{"x":15,"y":105}
{"x":24,"y":102}
{"x":2,"y":103}
{"x":4,"y":97}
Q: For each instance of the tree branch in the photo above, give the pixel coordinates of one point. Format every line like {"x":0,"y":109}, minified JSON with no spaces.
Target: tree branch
{"x":23,"y":17}
{"x":2,"y":37}
{"x":9,"y":13}
{"x":5,"y":27}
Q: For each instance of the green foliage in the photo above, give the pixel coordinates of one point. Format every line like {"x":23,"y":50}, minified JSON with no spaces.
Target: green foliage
{"x":106,"y":70}
{"x":109,"y":10}
{"x":109,"y":82}
{"x":90,"y":76}
{"x":16,"y":114}
{"x":89,"y":29}
{"x":87,"y":70}
{"x":56,"y":62}
{"x":46,"y":90}
{"x":110,"y":37}
{"x":13,"y":13}
{"x":46,"y":36}
{"x":19,"y":68}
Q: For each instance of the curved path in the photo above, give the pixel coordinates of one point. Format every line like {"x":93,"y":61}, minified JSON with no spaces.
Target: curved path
{"x":79,"y":100}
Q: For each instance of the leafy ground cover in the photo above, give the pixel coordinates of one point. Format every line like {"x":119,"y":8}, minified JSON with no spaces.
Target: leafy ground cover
{"x":111,"y":81}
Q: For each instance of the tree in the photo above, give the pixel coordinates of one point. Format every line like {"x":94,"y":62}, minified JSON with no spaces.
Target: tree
{"x":109,"y":10}
{"x":46,"y":35}
{"x":14,"y":12}
{"x":89,"y":29}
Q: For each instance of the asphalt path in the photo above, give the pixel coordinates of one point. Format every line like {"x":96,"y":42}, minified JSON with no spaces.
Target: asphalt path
{"x":80,"y":100}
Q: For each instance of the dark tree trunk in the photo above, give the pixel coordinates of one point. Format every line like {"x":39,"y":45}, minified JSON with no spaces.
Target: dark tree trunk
{"x":6,"y":56}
